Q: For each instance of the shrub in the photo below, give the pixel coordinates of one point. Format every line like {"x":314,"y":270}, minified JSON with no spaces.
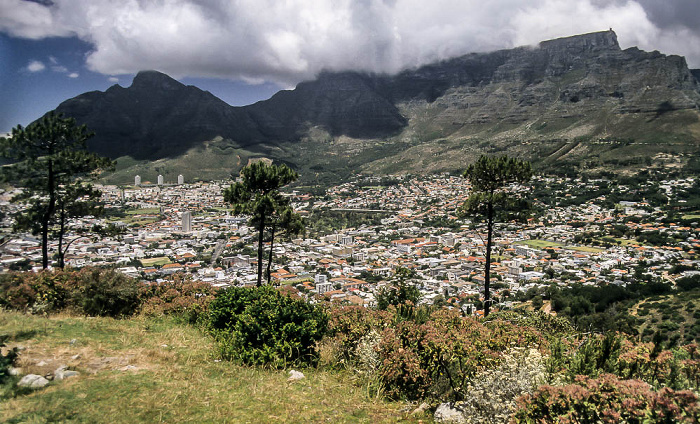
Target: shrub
{"x":607,"y":399}
{"x":180,"y":297}
{"x":105,"y":292}
{"x":348,"y":325}
{"x":7,"y":360}
{"x":438,"y":358}
{"x":44,"y":291}
{"x":262,"y":326}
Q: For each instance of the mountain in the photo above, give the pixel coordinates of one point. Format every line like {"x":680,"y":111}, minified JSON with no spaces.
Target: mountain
{"x":578,"y":101}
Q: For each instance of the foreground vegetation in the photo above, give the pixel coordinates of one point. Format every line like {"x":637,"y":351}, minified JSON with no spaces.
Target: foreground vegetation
{"x":361,"y":365}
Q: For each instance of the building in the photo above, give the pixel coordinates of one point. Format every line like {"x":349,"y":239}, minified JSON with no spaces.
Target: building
{"x":137,"y":180}
{"x":160,"y":180}
{"x":187,"y":221}
{"x":180,"y":180}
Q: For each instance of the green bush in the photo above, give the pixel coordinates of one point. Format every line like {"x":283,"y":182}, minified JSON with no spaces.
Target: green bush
{"x":262,"y":326}
{"x":7,"y":360}
{"x":104,"y":292}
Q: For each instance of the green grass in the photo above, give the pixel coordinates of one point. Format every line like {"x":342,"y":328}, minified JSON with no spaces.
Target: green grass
{"x":145,"y":211}
{"x":691,"y":216}
{"x":176,"y":379}
{"x":540,"y":244}
{"x":157,"y":261}
{"x":544,"y":244}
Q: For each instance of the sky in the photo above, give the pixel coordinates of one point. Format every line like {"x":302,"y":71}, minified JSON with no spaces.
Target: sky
{"x":246,"y":50}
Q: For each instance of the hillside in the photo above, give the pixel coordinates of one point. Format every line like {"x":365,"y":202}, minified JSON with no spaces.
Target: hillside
{"x":155,"y":370}
{"x":579,"y":102}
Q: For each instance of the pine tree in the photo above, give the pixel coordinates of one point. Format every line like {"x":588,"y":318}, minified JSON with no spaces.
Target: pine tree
{"x":257,"y":195}
{"x":50,"y":163}
{"x":490,"y":178}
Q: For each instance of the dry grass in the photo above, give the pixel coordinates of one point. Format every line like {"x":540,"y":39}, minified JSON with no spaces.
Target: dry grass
{"x":154,"y":370}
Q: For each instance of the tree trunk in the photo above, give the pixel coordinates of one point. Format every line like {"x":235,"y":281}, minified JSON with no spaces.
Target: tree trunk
{"x":487,"y":273}
{"x":269,"y":258}
{"x":46,"y":218}
{"x":261,"y":232}
{"x":61,"y":230}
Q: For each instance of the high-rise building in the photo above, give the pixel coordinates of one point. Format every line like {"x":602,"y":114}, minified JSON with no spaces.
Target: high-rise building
{"x":137,"y":180}
{"x":187,"y":221}
{"x":160,"y":180}
{"x":180,"y":180}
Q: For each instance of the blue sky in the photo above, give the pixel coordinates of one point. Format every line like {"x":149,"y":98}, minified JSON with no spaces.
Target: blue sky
{"x":246,"y":50}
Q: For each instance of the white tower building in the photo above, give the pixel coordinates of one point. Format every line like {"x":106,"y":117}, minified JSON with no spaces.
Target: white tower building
{"x":180,"y":180}
{"x":160,"y":180}
{"x":187,"y":221}
{"x":137,"y":180}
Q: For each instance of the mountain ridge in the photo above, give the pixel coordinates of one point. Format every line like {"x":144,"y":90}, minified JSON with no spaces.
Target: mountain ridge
{"x":570,"y":88}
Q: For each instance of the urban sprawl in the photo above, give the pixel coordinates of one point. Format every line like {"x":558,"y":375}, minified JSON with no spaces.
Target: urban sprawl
{"x":409,"y":222}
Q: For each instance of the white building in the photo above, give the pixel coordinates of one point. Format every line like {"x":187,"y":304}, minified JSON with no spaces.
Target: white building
{"x":160,"y":180}
{"x":137,"y":180}
{"x":187,"y":221}
{"x":180,"y":180}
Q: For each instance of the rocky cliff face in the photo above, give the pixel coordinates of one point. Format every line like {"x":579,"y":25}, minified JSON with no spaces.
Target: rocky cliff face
{"x":564,"y":89}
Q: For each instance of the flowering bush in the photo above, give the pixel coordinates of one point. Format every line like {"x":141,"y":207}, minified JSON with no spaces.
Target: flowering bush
{"x":607,"y":399}
{"x":491,"y":395}
{"x":438,"y":358}
{"x":92,"y":291}
{"x":180,"y":297}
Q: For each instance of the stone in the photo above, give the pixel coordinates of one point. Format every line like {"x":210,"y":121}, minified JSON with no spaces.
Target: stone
{"x":75,"y":357}
{"x":295,"y":375}
{"x":129,"y":368}
{"x":14,"y":371}
{"x":73,"y":341}
{"x":42,"y":364}
{"x":62,"y":374}
{"x":448,"y":414}
{"x":421,"y":409}
{"x":33,"y":381}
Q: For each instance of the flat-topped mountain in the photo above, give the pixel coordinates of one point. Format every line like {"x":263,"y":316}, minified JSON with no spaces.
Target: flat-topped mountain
{"x":558,"y":103}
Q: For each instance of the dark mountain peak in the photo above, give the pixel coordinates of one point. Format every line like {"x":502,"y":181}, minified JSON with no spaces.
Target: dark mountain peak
{"x":154,"y":80}
{"x":594,"y":41}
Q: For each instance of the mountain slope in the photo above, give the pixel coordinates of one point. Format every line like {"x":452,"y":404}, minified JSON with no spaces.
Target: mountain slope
{"x":579,"y":100}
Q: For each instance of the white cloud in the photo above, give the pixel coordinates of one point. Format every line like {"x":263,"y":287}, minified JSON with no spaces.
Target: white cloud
{"x":259,"y":40}
{"x":35,"y":66}
{"x":73,"y":75}
{"x":113,"y":79}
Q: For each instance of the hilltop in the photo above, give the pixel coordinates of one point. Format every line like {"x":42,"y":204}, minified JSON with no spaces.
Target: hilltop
{"x":575,"y":102}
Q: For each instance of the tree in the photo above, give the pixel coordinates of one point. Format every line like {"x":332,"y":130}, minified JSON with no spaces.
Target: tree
{"x":401,"y":291}
{"x":285,"y":223}
{"x":491,"y":199}
{"x":50,"y":163}
{"x":257,"y":195}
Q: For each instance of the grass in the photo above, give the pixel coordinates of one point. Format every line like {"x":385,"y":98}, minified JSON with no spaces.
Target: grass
{"x":545,"y":244}
{"x":540,"y":244}
{"x":691,"y":216}
{"x":175,"y":378}
{"x":145,"y":211}
{"x":157,"y":261}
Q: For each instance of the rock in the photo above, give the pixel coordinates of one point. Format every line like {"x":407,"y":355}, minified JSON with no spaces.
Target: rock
{"x":62,"y":374}
{"x":421,"y":409}
{"x":33,"y":381}
{"x":42,"y":364}
{"x":295,"y":375}
{"x":14,"y":371}
{"x":75,"y":357}
{"x":129,"y":368}
{"x":73,"y":341}
{"x":447,"y":413}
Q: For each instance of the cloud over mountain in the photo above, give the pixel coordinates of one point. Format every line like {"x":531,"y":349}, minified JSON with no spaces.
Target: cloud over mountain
{"x":285,"y":42}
